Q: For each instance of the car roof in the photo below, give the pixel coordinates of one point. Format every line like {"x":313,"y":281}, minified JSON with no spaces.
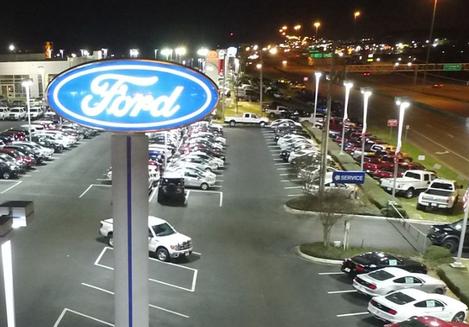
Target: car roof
{"x":172,"y":174}
{"x":152,"y":221}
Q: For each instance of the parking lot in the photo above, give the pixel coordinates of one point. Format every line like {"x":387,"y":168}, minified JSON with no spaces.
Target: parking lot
{"x":244,"y":270}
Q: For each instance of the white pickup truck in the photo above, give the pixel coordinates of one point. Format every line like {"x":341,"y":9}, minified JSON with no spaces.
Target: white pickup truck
{"x":412,"y":182}
{"x":441,"y":193}
{"x":163,"y":240}
{"x":246,"y":118}
{"x":276,"y":111}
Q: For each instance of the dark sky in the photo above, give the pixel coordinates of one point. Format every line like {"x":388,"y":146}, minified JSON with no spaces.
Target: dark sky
{"x":147,"y":24}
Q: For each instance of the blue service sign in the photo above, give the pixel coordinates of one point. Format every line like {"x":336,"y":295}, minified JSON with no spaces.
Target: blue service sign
{"x":348,"y":177}
{"x":132,"y":95}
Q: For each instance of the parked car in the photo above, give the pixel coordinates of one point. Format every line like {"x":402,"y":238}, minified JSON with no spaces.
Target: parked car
{"x":16,"y":113}
{"x":8,"y":171}
{"x":171,"y":188}
{"x":411,"y":183}
{"x":163,"y":240}
{"x":448,"y":235}
{"x":247,"y":118}
{"x":403,"y":304}
{"x":370,"y":261}
{"x":390,"y":279}
{"x":441,"y":193}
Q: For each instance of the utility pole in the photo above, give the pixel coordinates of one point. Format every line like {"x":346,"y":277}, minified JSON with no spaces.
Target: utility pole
{"x":430,"y":43}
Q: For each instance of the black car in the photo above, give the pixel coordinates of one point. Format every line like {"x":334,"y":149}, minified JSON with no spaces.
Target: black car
{"x":6,"y":172}
{"x":171,"y":189}
{"x":369,"y":261}
{"x":448,"y":235}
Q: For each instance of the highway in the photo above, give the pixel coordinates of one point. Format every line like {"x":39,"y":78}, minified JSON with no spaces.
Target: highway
{"x":444,"y":136}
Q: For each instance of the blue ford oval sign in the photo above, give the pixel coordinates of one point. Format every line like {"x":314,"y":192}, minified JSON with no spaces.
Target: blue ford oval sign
{"x":132,"y":95}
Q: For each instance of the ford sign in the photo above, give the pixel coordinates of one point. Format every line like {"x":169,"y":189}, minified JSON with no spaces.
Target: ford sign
{"x":132,"y":95}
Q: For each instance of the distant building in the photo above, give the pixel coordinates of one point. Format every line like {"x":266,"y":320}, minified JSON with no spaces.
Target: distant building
{"x":15,"y":68}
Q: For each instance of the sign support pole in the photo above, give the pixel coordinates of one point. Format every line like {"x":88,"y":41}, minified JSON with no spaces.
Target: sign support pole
{"x":130,"y":212}
{"x":458,"y":263}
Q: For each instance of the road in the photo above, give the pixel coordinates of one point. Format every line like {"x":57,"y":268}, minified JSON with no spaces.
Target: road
{"x":438,"y":134}
{"x":245,"y":272}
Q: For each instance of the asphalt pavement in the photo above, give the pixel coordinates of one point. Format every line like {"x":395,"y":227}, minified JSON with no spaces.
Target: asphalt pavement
{"x":245,"y":271}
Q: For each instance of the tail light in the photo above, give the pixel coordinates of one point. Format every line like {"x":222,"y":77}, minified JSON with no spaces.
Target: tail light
{"x":372,"y":286}
{"x":392,"y":312}
{"x":359,"y":268}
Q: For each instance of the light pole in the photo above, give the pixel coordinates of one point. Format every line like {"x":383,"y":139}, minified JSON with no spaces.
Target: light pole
{"x":366,"y":96}
{"x":316,"y":26}
{"x":156,"y":53}
{"x":429,"y":46}
{"x":27,"y":84}
{"x":403,"y":104}
{"x":317,"y":75}
{"x":167,"y":52}
{"x":356,"y":14}
{"x":180,"y":52}
{"x":348,"y":86}
{"x":261,"y":80}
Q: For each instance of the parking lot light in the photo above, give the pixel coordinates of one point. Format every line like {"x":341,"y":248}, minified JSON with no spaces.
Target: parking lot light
{"x":403,"y":104}
{"x":317,"y":75}
{"x":27,"y":84}
{"x":348,"y":87}
{"x":8,"y":282}
{"x":366,"y":96}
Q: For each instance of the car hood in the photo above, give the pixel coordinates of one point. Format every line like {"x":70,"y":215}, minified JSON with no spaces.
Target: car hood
{"x":175,"y":238}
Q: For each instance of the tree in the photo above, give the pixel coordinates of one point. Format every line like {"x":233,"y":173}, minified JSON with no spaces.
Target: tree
{"x":332,"y":206}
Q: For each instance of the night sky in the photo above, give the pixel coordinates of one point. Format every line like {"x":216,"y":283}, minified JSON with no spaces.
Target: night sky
{"x":121,"y":25}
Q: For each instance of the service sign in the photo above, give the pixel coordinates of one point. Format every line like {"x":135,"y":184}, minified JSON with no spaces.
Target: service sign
{"x":132,"y":95}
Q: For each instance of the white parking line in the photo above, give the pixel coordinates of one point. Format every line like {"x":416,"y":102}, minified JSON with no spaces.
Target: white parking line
{"x":92,"y":185}
{"x":152,"y":194}
{"x":352,"y":314}
{"x":331,"y":273}
{"x":27,"y":176}
{"x":59,"y":320}
{"x":150,"y":305}
{"x":11,"y":187}
{"x":300,"y":194}
{"x":278,"y":159}
{"x":292,"y":187}
{"x":281,"y":163}
{"x":194,"y":271}
{"x":283,"y":168}
{"x":286,"y":174}
{"x":340,"y":292}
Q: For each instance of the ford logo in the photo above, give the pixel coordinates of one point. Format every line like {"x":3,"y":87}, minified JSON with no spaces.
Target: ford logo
{"x":132,"y":95}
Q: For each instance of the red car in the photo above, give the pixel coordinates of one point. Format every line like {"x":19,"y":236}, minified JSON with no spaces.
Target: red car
{"x":387,"y":172}
{"x":426,"y":321}
{"x":24,"y":160}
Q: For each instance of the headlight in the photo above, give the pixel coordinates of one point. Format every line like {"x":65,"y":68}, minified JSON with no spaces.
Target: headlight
{"x":174,"y":247}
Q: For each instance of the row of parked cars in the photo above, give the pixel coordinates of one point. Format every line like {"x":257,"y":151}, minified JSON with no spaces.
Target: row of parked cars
{"x":20,"y":151}
{"x":297,"y":148}
{"x":17,"y":109}
{"x":401,"y":291}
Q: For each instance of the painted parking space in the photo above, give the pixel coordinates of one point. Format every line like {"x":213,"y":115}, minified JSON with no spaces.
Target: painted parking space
{"x":97,"y":191}
{"x":72,"y":318}
{"x":209,"y":198}
{"x":164,"y":273}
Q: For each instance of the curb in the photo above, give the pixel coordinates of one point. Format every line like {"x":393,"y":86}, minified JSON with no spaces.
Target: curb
{"x":316,"y":259}
{"x":412,"y":221}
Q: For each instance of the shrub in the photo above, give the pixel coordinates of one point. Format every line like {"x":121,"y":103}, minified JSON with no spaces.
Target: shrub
{"x":437,"y":255}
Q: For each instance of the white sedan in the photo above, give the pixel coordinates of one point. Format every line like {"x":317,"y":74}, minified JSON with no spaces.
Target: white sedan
{"x":403,"y":304}
{"x":390,"y":279}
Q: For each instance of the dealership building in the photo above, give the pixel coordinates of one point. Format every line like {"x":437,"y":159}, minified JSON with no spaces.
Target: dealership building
{"x":15,"y":68}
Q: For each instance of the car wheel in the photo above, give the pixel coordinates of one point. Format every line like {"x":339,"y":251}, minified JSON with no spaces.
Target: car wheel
{"x":451,"y":245}
{"x":262,"y":124}
{"x":232,"y":123}
{"x":460,"y":316}
{"x":439,"y":291}
{"x":6,"y":175}
{"x":162,"y":254}
{"x":208,"y":169}
{"x":409,"y":193}
{"x":110,"y":240}
{"x":204,"y":186}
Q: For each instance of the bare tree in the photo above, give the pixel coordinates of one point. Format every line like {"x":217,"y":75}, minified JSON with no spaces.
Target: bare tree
{"x":332,"y":206}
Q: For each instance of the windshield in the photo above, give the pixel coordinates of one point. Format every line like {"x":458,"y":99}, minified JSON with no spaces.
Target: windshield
{"x":443,"y":186}
{"x":400,"y":298}
{"x":163,"y":230}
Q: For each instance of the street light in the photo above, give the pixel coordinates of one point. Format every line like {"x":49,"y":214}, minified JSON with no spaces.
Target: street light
{"x":316,"y":26}
{"x":202,"y":52}
{"x":356,"y":14}
{"x":318,"y":78}
{"x":134,"y":53}
{"x":167,"y":52}
{"x":27,"y":84}
{"x":11,"y":47}
{"x":180,"y":52}
{"x":284,"y":27}
{"x":366,"y":96}
{"x":429,"y":45}
{"x":348,"y":87}
{"x":403,"y":104}
{"x":297,"y":27}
